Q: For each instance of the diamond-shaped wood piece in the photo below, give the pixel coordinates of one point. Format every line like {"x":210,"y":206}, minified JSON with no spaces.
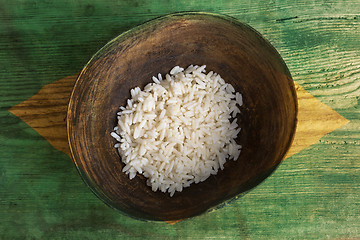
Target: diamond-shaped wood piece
{"x":46,"y":111}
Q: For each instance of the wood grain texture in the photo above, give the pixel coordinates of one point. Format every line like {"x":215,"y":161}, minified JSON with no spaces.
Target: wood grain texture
{"x":315,"y":194}
{"x":315,"y":120}
{"x":46,"y":112}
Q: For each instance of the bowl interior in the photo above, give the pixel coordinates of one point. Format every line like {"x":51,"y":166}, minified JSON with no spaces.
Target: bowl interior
{"x":232,"y":49}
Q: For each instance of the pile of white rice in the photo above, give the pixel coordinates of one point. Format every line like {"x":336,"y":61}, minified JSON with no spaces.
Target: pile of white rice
{"x":177,"y":131}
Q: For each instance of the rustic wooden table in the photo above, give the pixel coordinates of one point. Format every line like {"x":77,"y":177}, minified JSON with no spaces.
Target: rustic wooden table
{"x":314,"y":194}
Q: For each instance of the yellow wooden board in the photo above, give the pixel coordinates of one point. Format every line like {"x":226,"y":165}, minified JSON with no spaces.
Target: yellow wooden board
{"x":49,"y":105}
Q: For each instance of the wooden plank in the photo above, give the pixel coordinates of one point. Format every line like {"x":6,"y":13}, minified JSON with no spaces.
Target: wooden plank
{"x":314,"y":194}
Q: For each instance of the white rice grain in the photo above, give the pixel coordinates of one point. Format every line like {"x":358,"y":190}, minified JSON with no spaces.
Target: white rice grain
{"x":180,"y":129}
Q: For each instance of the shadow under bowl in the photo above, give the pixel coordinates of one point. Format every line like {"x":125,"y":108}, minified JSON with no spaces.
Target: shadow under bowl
{"x":235,"y":51}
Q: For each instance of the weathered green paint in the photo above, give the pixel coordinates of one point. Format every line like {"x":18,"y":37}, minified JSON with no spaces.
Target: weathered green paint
{"x":315,"y":194}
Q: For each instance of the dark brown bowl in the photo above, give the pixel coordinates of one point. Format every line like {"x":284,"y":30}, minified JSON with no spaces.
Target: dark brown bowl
{"x":235,"y":51}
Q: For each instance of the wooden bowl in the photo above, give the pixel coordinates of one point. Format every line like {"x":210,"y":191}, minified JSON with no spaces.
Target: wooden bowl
{"x":235,"y":51}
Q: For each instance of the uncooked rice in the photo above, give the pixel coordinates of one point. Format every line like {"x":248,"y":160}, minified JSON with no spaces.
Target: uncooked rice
{"x":179,"y":130}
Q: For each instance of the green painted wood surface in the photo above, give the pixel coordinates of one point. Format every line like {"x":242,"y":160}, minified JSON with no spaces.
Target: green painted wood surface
{"x":315,"y":194}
